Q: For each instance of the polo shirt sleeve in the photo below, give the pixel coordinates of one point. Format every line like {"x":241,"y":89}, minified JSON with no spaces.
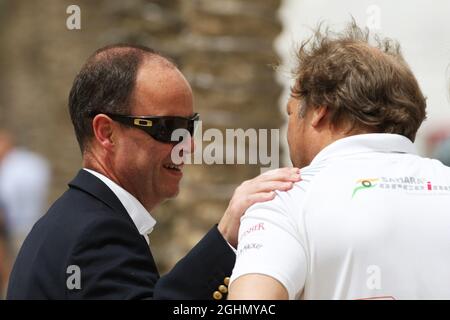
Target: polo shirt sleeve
{"x":271,"y":243}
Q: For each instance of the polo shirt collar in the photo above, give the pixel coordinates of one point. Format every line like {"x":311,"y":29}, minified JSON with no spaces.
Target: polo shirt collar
{"x":361,"y":143}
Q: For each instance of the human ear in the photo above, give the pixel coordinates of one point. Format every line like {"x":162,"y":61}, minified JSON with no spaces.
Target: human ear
{"x":318,"y":116}
{"x":102,"y":127}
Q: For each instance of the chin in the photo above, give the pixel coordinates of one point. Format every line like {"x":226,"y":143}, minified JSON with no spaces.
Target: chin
{"x":175,"y":194}
{"x":168,"y":196}
{"x":172,"y":192}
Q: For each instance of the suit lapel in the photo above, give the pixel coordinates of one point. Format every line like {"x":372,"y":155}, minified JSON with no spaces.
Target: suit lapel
{"x":89,"y":183}
{"x":92,"y":185}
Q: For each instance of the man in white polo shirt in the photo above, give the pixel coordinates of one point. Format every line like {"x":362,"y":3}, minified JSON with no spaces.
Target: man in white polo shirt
{"x":370,"y":219}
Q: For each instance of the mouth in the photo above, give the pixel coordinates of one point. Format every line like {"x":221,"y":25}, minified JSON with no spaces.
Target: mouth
{"x":174,"y":168}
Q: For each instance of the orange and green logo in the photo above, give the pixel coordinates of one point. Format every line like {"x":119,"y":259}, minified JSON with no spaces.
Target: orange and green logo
{"x":364,"y":184}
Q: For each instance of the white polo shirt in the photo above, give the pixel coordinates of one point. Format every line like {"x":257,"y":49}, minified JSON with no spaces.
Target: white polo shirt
{"x":369,"y":220}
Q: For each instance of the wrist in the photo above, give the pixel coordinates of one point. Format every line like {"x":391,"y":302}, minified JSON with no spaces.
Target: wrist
{"x":224,"y":231}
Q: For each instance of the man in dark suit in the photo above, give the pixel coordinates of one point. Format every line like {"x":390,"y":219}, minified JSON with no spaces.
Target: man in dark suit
{"x":93,"y":243}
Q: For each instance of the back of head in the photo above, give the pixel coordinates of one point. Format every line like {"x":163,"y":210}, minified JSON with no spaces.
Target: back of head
{"x":364,"y":85}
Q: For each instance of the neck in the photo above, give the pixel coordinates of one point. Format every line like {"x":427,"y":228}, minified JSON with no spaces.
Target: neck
{"x":326,"y":138}
{"x":91,"y":161}
{"x":94,"y":162}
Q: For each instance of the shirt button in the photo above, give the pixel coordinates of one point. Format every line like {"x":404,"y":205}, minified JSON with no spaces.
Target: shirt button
{"x":217,"y":295}
{"x":223,"y":289}
{"x":226,"y":281}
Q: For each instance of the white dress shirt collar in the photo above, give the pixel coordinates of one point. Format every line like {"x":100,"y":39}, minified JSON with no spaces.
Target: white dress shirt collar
{"x":142,"y":219}
{"x":371,"y":142}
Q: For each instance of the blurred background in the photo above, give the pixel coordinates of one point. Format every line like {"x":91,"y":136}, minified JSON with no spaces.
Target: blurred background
{"x":226,"y":48}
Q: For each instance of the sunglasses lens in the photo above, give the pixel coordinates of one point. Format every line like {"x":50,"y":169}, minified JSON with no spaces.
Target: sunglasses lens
{"x":164,"y":129}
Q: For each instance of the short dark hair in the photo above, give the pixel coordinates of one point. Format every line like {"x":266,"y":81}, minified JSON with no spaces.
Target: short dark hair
{"x":105,"y":84}
{"x":370,"y":87}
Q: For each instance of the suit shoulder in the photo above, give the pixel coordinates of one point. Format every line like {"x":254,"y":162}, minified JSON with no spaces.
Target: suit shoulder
{"x":70,"y":218}
{"x":75,"y":220}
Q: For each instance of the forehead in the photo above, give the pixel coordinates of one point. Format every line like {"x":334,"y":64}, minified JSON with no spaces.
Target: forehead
{"x":161,"y":89}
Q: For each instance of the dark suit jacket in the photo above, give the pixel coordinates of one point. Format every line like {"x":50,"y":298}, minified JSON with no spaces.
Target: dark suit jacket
{"x":89,"y":228}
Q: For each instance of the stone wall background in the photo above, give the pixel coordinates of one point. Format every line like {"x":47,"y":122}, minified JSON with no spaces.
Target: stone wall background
{"x":224,"y":47}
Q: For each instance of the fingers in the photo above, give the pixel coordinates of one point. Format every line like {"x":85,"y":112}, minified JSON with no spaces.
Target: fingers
{"x":260,"y":197}
{"x":279,"y":179}
{"x":281,"y":174}
{"x":267,"y":186}
{"x":259,"y":189}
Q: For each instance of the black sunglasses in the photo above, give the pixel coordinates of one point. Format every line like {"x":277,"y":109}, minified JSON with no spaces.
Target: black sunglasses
{"x":160,"y":128}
